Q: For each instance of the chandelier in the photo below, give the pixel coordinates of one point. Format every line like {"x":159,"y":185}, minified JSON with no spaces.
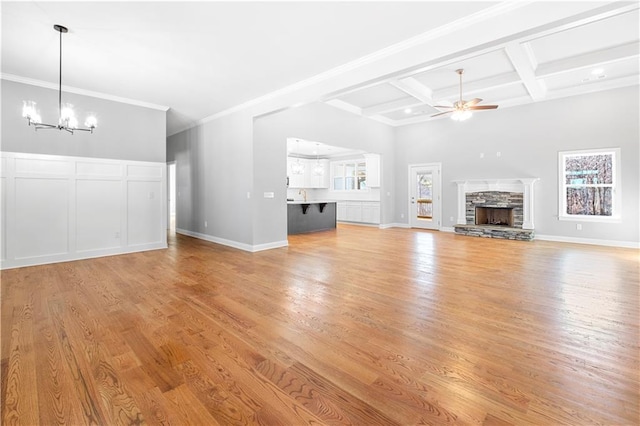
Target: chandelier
{"x":66,"y":117}
{"x":297,"y":168}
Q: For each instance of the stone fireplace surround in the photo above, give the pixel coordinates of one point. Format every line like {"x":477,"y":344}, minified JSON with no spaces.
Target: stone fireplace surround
{"x":516,"y":194}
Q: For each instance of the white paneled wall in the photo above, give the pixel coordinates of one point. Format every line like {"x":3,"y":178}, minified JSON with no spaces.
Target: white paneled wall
{"x":56,"y":209}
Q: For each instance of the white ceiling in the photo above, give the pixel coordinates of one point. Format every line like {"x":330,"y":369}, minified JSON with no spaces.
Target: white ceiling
{"x":201,"y":59}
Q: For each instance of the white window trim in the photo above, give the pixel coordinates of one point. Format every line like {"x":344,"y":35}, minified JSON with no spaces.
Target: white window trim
{"x":617,"y":187}
{"x":345,"y":191}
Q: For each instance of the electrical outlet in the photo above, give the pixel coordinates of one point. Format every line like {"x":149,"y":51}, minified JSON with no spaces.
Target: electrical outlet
{"x":401,"y":215}
{"x":579,"y":226}
{"x":205,"y":224}
{"x":451,"y":218}
{"x":269,"y":195}
{"x":498,"y":154}
{"x":116,"y":235}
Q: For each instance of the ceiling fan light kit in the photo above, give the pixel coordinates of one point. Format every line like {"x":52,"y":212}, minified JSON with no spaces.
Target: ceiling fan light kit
{"x":461,"y":109}
{"x":66,"y":117}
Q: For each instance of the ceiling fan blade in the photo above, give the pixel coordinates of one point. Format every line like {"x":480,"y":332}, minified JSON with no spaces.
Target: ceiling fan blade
{"x":444,"y":106}
{"x":441,"y":113}
{"x":472,"y":102}
{"x":483,"y":107}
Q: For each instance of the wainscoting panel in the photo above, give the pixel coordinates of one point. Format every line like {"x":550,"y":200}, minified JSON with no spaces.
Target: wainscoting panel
{"x":98,"y":218}
{"x":42,"y":217}
{"x":3,"y":216}
{"x":144,"y":212}
{"x":57,"y":208}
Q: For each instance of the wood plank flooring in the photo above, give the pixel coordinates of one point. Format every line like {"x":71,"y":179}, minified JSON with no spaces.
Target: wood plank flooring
{"x":351,"y":326}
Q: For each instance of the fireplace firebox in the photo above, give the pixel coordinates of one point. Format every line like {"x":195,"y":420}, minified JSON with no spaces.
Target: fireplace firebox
{"x":497,"y":216}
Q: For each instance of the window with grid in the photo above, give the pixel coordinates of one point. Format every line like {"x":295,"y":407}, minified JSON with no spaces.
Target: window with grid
{"x":589,"y":185}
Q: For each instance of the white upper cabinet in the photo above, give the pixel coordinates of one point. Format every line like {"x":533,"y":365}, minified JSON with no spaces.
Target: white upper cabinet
{"x":373,"y":170}
{"x":296,"y":180}
{"x":315,"y":173}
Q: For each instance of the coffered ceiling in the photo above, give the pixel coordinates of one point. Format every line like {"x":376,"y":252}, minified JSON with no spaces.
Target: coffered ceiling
{"x":590,"y":52}
{"x":388,"y":61}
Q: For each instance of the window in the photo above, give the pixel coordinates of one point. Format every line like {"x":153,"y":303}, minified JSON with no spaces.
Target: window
{"x":349,"y":175}
{"x":590,"y":185}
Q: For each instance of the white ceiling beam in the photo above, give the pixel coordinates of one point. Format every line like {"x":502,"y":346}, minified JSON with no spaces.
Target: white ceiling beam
{"x":520,"y":58}
{"x":337,"y":103}
{"x":413,"y":87}
{"x":383,"y":120}
{"x":391,"y":106}
{"x":591,"y":59}
{"x":596,"y":86}
{"x":478,"y":86}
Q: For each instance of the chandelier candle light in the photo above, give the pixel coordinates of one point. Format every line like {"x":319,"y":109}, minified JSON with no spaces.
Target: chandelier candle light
{"x":66,"y":117}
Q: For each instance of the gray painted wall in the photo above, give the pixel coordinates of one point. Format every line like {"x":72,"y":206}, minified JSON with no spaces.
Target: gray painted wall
{"x":317,"y":122}
{"x":529,"y":138}
{"x":214,"y":173}
{"x":125,"y":132}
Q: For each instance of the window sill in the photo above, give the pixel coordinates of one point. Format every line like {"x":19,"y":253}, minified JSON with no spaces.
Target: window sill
{"x":597,"y":219}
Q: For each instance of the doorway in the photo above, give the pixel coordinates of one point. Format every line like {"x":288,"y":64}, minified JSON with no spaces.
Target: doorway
{"x":171,"y":196}
{"x":424,"y":196}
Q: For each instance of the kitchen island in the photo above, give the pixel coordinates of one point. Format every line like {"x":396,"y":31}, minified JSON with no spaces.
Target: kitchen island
{"x":310,"y":216}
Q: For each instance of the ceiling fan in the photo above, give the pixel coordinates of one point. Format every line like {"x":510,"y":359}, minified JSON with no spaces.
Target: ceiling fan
{"x":461,"y":109}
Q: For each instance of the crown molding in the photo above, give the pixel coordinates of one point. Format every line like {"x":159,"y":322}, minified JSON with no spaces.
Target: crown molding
{"x":69,"y":89}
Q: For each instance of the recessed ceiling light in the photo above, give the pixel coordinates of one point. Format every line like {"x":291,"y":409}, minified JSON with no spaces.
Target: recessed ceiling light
{"x":407,"y":110}
{"x":597,"y":71}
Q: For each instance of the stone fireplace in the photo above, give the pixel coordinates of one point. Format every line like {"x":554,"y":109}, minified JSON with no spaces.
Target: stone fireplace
{"x":496,"y":208}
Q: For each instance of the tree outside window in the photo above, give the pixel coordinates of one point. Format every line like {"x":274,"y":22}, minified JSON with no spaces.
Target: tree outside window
{"x":589,"y":185}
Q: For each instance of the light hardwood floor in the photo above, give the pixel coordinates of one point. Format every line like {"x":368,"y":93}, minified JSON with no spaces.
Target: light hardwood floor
{"x":354,"y":326}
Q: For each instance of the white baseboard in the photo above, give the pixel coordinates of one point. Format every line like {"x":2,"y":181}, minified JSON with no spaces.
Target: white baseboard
{"x":448,"y":229}
{"x":346,"y":222}
{"x":269,"y":246}
{"x":69,"y":257}
{"x":233,"y":244}
{"x":394,"y":225}
{"x":593,"y":241}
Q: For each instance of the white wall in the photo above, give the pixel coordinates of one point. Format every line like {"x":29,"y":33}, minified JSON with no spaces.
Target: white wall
{"x":59,"y":208}
{"x":528,"y":138}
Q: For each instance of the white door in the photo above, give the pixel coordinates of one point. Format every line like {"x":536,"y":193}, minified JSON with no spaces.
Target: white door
{"x":424,"y":196}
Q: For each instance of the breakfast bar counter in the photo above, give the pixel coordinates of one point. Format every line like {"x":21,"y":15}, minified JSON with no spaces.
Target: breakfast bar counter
{"x":310,"y":216}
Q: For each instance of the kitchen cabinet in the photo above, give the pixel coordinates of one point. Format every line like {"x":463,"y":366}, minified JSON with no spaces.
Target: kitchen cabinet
{"x":341,"y":211}
{"x":359,"y":211}
{"x":373,"y":170}
{"x":308,"y":179}
{"x":370,"y":212}
{"x":313,"y":180}
{"x":295,"y":180}
{"x":354,"y":211}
